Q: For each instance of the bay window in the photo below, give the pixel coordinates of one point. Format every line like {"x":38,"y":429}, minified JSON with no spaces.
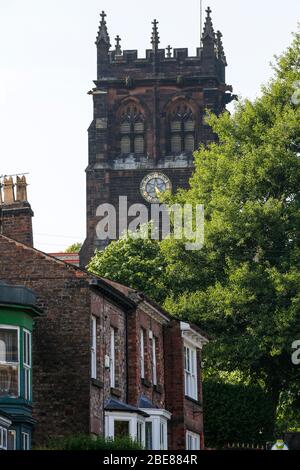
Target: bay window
{"x":190,"y":372}
{"x":9,"y":362}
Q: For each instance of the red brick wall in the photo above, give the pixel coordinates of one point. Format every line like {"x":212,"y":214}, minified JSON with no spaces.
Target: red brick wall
{"x":187,"y":414}
{"x":156,"y":394}
{"x":108,"y":315}
{"x":17,"y":222}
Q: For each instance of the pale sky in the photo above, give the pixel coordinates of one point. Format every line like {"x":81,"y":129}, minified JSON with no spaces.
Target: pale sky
{"x":48,"y":63}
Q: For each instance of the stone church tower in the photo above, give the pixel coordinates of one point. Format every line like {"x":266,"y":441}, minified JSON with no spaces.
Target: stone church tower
{"x":148,"y":119}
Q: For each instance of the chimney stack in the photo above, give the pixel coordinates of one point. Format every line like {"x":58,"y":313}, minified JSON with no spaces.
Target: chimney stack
{"x":15,"y":211}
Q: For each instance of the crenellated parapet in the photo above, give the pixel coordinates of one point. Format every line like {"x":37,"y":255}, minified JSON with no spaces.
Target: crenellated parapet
{"x":114,"y":64}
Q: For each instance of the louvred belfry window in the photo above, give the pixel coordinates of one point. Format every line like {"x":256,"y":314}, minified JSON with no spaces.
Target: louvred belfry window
{"x":132,"y":130}
{"x":182,"y":130}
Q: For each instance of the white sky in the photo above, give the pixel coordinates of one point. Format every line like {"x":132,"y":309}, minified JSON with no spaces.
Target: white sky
{"x":48,"y":63}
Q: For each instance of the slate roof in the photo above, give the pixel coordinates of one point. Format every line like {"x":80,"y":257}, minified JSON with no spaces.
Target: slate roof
{"x":116,"y":405}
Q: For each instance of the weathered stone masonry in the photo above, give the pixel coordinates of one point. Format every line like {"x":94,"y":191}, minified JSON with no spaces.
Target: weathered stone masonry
{"x":151,"y":93}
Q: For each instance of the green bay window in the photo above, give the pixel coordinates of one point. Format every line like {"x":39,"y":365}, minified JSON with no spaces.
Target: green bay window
{"x":15,"y":362}
{"x":18,"y":312}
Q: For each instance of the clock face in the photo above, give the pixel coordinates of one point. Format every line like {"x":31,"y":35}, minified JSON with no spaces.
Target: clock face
{"x":154,"y":185}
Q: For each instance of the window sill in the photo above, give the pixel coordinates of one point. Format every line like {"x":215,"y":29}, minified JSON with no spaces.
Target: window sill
{"x":196,"y":402}
{"x":146,"y":383}
{"x":116,"y":392}
{"x":97,"y":383}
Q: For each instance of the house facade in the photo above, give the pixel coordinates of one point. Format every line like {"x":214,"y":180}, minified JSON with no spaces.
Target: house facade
{"x":106,"y":360}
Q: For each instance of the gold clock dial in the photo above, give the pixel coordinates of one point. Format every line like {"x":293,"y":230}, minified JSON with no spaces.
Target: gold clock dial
{"x":154,"y":185}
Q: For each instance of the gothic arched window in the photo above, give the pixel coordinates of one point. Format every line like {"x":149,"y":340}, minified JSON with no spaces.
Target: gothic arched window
{"x":182,"y":129}
{"x":132,"y":130}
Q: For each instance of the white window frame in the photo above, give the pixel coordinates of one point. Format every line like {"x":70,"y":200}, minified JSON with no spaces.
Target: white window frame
{"x":25,"y":441}
{"x":112,"y":357}
{"x":142,"y":351}
{"x":193,"y":441}
{"x":154,"y":361}
{"x":94,"y":348}
{"x":132,"y":418}
{"x":14,"y":364}
{"x":190,"y":371}
{"x":27,"y":363}
{"x":159,"y":419}
{"x":3,"y":438}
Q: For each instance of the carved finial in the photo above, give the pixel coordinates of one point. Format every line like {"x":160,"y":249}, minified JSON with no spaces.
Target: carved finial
{"x":169,"y":52}
{"x":103,"y":35}
{"x":118,"y":49}
{"x":155,"y":36}
{"x":208,"y":27}
{"x":220,"y":48}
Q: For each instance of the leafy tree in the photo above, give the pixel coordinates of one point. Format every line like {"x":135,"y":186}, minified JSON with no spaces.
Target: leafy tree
{"x":75,"y":248}
{"x":249,"y":184}
{"x":236,"y":414}
{"x":135,"y":262}
{"x":243,"y":287}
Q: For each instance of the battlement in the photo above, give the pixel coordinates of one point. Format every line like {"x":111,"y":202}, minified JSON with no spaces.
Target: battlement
{"x":209,"y":60}
{"x":168,"y":55}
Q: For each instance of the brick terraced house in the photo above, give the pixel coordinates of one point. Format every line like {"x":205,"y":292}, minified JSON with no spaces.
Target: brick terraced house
{"x":106,"y":360}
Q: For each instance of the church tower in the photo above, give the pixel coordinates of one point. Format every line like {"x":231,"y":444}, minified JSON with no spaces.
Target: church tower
{"x":149,"y":118}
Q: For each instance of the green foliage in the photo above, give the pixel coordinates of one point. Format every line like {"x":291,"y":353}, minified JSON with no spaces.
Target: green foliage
{"x":288,"y":416}
{"x":75,"y":248}
{"x":247,"y":291}
{"x":243,"y":287}
{"x":236,"y":414}
{"x":135,"y":262}
{"x":84,"y":442}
